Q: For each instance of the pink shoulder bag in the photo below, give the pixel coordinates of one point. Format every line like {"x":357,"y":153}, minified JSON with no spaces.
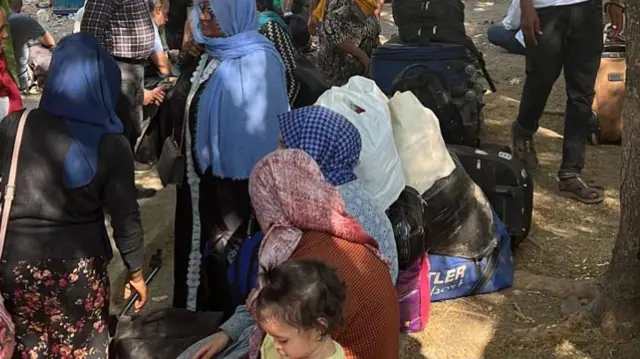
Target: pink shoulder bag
{"x":7,"y":328}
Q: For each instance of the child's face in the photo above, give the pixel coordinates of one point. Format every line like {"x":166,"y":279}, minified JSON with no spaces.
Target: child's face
{"x":291,"y":342}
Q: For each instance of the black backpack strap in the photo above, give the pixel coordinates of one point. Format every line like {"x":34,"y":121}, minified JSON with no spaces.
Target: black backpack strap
{"x":420,"y":76}
{"x":443,"y":31}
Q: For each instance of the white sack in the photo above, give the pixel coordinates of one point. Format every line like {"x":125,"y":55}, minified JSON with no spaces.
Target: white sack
{"x":422,"y":150}
{"x":379,"y":167}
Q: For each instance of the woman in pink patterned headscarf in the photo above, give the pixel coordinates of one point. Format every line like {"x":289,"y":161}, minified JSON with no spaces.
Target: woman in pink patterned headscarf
{"x":289,"y":195}
{"x":303,"y":217}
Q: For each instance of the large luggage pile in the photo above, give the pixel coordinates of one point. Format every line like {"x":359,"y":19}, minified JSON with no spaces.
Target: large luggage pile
{"x":433,"y":57}
{"x":466,"y":208}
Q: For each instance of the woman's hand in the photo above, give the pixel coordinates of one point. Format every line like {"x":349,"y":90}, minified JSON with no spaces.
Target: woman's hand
{"x":135,"y":283}
{"x":530,"y":22}
{"x":378,"y":11}
{"x":312,"y":24}
{"x":191,"y":48}
{"x":214,"y":346}
{"x":366,"y":62}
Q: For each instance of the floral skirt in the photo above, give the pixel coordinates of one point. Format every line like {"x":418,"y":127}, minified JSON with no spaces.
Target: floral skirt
{"x":60,"y":307}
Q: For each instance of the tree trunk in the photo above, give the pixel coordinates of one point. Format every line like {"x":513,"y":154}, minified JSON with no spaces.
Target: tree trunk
{"x":617,"y":308}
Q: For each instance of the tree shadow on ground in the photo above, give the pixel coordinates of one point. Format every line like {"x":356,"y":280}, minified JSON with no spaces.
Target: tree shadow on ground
{"x":569,"y":241}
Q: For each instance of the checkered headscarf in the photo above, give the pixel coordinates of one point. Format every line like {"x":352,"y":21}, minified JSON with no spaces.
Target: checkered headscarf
{"x":329,"y":138}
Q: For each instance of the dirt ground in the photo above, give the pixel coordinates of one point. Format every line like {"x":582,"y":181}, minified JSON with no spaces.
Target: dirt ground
{"x":568,"y":240}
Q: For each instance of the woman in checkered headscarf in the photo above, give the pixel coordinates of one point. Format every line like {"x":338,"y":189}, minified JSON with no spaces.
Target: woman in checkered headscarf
{"x":334,"y":143}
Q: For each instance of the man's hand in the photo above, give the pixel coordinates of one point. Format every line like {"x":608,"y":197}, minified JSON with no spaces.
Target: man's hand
{"x":155,"y":96}
{"x":529,"y":22}
{"x":616,"y":15}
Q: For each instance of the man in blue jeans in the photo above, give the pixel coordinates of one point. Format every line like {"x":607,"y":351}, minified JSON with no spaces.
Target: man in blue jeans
{"x":507,"y":34}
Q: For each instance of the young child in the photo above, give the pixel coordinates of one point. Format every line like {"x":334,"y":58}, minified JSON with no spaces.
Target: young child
{"x":299,"y":306}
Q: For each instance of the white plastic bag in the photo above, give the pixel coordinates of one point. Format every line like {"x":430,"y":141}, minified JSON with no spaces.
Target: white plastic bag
{"x":416,"y":130}
{"x":379,"y":167}
{"x":364,"y":85}
{"x":78,"y":20}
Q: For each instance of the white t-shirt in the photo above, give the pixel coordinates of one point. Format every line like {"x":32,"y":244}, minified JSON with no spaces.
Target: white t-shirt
{"x":512,"y":20}
{"x":538,"y":4}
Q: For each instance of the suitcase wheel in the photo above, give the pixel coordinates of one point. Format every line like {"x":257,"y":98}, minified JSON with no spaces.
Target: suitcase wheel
{"x":594,"y":130}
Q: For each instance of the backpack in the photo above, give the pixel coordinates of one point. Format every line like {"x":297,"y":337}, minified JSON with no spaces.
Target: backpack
{"x":460,"y":117}
{"x":426,"y":21}
{"x":243,"y":269}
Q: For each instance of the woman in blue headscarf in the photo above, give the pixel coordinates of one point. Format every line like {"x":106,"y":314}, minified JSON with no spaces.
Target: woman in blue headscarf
{"x":226,"y":106}
{"x":74,"y":164}
{"x":334,"y":143}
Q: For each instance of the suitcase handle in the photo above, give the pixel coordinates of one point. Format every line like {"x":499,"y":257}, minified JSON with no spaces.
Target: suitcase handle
{"x":505,"y":190}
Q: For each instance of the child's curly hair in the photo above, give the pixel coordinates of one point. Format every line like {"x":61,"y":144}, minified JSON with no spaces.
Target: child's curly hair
{"x":305,"y":294}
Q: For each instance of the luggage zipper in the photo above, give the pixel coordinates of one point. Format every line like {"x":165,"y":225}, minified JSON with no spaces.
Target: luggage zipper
{"x":489,"y":271}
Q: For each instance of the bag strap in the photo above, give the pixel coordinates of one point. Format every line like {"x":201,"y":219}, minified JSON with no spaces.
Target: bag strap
{"x":9,"y":189}
{"x":426,"y":33}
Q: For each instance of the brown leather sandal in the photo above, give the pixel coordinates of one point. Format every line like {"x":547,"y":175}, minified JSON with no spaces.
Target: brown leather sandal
{"x":576,"y":188}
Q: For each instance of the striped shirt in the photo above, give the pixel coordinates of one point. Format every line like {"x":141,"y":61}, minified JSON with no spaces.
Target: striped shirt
{"x":123,"y":27}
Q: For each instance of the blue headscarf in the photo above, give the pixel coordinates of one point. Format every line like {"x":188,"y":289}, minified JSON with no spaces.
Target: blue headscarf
{"x":82,"y":88}
{"x":329,"y":138}
{"x":237,"y":116}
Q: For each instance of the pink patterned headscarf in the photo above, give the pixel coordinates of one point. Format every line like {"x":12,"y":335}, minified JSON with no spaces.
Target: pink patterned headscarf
{"x":289,"y":196}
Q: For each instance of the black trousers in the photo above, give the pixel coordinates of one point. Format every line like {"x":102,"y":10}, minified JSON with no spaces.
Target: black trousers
{"x":224,"y":206}
{"x":129,"y":106}
{"x":174,"y":38}
{"x":571,"y":39}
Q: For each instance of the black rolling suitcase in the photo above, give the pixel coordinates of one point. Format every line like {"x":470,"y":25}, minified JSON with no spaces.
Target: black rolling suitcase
{"x":505,"y":182}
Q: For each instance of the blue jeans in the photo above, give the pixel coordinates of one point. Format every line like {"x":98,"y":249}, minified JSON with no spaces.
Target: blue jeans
{"x":504,"y":38}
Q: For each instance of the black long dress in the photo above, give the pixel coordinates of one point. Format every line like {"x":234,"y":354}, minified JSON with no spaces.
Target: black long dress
{"x":224,"y":209}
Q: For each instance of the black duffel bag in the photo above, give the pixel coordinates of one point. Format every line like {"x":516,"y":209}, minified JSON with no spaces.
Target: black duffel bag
{"x":405,"y":215}
{"x":458,"y":217}
{"x":161,"y":334}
